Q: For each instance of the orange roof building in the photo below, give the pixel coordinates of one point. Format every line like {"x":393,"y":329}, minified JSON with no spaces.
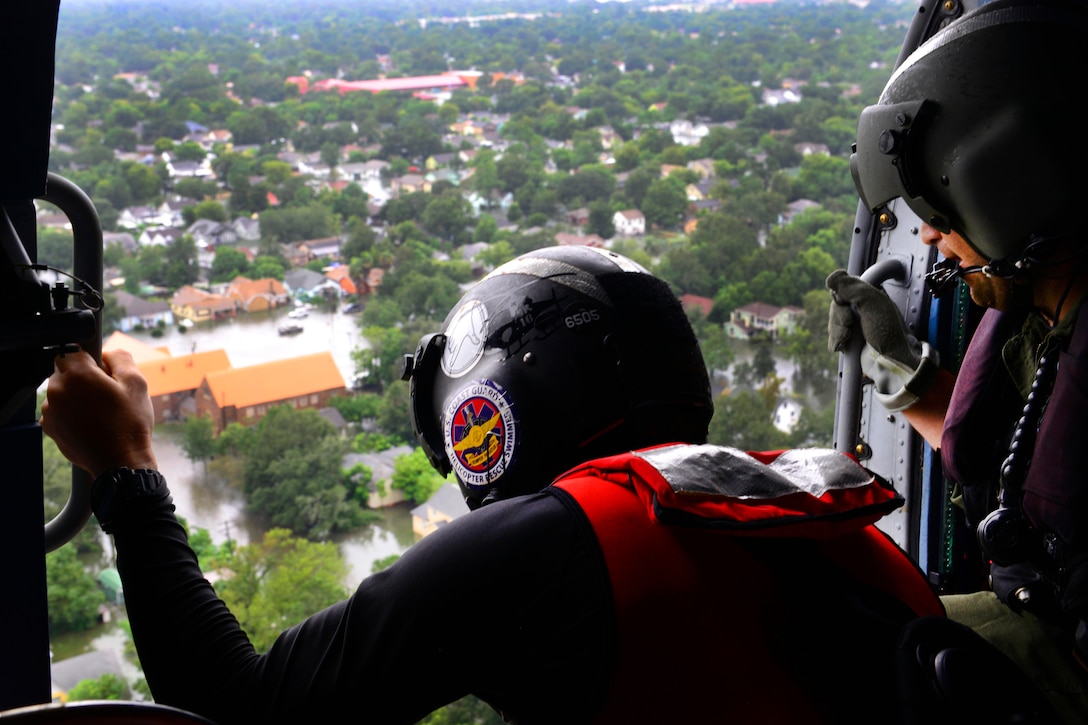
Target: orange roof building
{"x":342,"y":276}
{"x":141,"y":352}
{"x":200,"y":306}
{"x":255,"y":295}
{"x":172,"y":382}
{"x":245,"y":395}
{"x":445,"y":81}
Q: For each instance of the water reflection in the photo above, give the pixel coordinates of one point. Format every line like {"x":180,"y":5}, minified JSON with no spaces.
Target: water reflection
{"x":392,"y":535}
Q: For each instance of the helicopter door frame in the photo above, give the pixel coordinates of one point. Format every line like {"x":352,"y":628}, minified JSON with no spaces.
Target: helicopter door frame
{"x":886,"y":250}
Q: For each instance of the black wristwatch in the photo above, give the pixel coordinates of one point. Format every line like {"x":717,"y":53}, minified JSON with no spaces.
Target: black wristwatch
{"x":119,"y":485}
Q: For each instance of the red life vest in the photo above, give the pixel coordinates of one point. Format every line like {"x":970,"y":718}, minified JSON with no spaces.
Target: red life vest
{"x":697,"y":605}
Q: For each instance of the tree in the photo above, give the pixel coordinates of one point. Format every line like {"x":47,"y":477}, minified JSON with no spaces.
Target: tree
{"x":236,"y":439}
{"x":446,"y":216}
{"x":206,"y":550}
{"x":763,"y":364}
{"x":664,"y":203}
{"x":485,"y":179}
{"x":190,"y":151}
{"x":513,"y":169}
{"x":393,"y":416}
{"x":744,"y":420}
{"x":73,"y":594}
{"x":330,"y":154}
{"x":266,"y":267}
{"x":427,"y":295}
{"x":56,"y":248}
{"x":638,"y":184}
{"x":351,"y":203}
{"x":807,"y":347}
{"x":143,"y":182}
{"x":278,"y":582}
{"x":210,"y":209}
{"x":592,"y":183}
{"x":361,"y":239}
{"x":193,"y":188}
{"x":600,"y":220}
{"x":414,"y":474}
{"x":627,"y":157}
{"x":717,"y":354}
{"x":294,"y":224}
{"x":228,"y":264}
{"x":256,"y":126}
{"x":180,"y":260}
{"x":497,"y":254}
{"x":486,"y":228}
{"x":106,"y":687}
{"x":198,"y":439}
{"x":412,"y":138}
{"x":468,"y":709}
{"x":292,"y":474}
{"x":822,"y":176}
{"x":384,"y":563}
{"x":57,"y":485}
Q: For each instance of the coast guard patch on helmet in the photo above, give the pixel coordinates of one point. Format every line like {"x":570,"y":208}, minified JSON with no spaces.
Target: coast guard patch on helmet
{"x":481,"y":433}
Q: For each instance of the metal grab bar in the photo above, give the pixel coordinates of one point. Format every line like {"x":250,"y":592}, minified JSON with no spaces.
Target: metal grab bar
{"x":847,"y":421}
{"x":87,"y":264}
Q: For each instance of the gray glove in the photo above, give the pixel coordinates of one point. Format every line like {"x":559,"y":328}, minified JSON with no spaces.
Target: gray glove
{"x":901,"y":367}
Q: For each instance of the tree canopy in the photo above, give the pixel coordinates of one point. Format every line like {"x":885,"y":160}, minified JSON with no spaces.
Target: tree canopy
{"x":278,"y":582}
{"x":292,"y":474}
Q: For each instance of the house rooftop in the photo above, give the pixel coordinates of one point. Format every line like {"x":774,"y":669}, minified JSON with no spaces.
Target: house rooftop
{"x":140,"y":350}
{"x":447,"y":500}
{"x":185,"y":372}
{"x":276,"y":380}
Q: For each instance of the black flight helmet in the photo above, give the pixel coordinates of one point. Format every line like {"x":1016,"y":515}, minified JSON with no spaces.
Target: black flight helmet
{"x":561,"y":355}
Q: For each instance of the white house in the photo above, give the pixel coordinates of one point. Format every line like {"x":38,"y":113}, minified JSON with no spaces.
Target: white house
{"x":787,"y":415}
{"x":190,"y":169}
{"x":686,"y":133}
{"x":170,"y":213}
{"x":247,"y":228}
{"x":629,"y":222}
{"x":210,"y":233}
{"x":134,"y":217}
{"x":761,"y":319}
{"x":160,"y":237}
{"x":777,"y":96}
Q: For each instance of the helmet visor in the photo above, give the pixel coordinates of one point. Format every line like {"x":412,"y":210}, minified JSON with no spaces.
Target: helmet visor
{"x":880,"y":165}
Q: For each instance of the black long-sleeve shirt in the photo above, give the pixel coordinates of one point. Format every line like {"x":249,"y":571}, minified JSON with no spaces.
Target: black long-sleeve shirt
{"x":514,"y":603}
{"x":494,"y":603}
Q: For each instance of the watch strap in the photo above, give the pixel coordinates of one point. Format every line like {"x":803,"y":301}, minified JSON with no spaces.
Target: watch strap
{"x":115,"y":489}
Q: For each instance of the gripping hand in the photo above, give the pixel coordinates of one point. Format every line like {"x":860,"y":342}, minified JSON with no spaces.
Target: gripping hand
{"x":901,"y":367}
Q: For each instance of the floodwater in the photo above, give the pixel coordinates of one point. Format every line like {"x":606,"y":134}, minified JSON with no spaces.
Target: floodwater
{"x":205,"y":497}
{"x":250,"y":339}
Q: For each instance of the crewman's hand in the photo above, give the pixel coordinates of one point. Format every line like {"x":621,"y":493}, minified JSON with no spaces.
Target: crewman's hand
{"x":100,"y":417}
{"x":901,"y":367}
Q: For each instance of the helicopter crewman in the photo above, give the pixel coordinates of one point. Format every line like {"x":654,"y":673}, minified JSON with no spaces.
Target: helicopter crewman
{"x":974,"y":133}
{"x":614,"y":568}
